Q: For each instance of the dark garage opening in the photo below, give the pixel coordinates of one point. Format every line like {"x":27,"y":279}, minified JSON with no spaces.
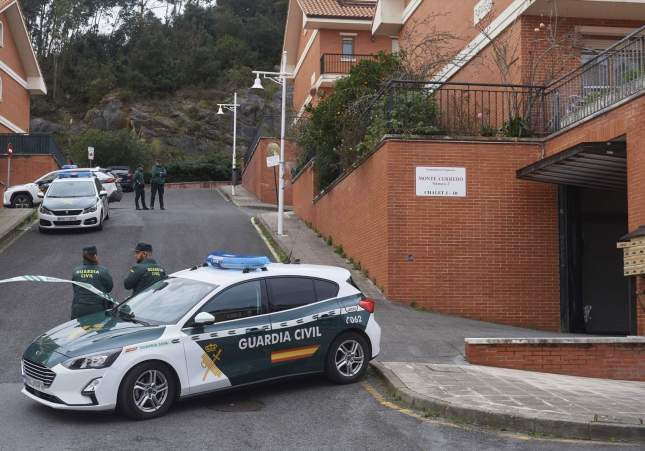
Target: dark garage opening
{"x":595,"y":296}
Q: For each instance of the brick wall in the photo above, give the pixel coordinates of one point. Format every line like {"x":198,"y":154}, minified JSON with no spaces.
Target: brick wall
{"x":355,"y":215}
{"x":625,"y":361}
{"x":491,"y":256}
{"x":261,"y":180}
{"x":26,"y":168}
{"x":303,"y":194}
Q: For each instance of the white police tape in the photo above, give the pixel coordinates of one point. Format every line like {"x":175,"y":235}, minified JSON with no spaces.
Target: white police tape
{"x":47,"y":279}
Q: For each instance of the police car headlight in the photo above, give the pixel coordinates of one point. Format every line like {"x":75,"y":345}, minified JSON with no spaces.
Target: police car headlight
{"x":45,"y":211}
{"x":91,"y":209}
{"x":93,"y":361}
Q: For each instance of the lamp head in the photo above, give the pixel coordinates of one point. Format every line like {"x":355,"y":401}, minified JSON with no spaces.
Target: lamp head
{"x":220,"y":111}
{"x":257,"y":84}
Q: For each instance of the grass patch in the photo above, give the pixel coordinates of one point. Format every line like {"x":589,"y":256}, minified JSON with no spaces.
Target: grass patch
{"x":282,"y":255}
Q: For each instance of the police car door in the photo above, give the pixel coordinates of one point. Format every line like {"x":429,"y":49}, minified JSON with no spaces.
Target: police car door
{"x":305,"y":317}
{"x":227,"y":352}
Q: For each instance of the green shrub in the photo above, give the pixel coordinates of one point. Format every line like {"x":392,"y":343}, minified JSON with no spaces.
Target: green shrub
{"x":516,"y":127}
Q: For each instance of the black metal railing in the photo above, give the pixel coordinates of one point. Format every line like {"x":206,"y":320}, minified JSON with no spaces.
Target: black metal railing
{"x":611,"y":76}
{"x":479,"y":109}
{"x":414,"y":107}
{"x":338,"y":63}
{"x":31,"y":144}
{"x":451,"y":108}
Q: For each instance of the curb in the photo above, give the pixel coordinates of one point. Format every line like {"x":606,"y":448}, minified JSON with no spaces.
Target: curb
{"x":255,"y":205}
{"x":503,"y":421}
{"x":15,"y":231}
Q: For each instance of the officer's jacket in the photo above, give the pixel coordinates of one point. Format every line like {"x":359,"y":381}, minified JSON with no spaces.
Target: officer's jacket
{"x":158,"y":174}
{"x":143,"y":274}
{"x":138,"y":178}
{"x":97,"y":276}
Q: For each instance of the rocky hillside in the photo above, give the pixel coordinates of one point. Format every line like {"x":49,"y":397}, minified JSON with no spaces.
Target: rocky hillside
{"x":186,"y":122}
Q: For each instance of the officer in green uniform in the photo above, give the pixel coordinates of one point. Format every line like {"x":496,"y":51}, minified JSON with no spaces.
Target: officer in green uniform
{"x":157,"y":182}
{"x":85,"y":302}
{"x":146,"y":272}
{"x":139,"y":188}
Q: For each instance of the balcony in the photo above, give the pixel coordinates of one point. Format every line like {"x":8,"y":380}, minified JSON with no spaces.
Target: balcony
{"x":341,"y":64}
{"x":471,"y":109}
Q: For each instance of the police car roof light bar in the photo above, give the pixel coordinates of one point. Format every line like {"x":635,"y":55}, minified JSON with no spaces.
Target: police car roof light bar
{"x":246,"y":263}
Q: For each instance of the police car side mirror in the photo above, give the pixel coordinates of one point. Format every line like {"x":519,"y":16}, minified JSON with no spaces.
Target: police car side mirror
{"x":103,"y":193}
{"x":204,"y":318}
{"x":40,"y":194}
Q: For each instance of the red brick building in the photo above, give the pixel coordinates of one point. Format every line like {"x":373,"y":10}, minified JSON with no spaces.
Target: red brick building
{"x":20,"y":75}
{"x":540,"y":118}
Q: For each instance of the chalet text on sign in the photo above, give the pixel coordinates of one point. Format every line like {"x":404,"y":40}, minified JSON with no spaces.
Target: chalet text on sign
{"x":441,"y":182}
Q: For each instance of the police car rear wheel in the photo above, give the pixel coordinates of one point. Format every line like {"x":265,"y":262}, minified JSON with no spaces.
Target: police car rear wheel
{"x":347,"y":358}
{"x":147,"y":391}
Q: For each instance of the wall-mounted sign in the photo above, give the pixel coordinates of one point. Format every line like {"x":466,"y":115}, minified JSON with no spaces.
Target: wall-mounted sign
{"x":273,"y":160}
{"x":441,"y":182}
{"x":482,"y":8}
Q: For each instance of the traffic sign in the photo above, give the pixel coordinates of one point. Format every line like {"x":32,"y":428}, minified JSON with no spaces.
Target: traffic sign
{"x":10,"y":149}
{"x":90,"y":153}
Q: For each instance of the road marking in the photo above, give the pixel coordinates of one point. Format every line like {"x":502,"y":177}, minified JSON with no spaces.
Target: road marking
{"x":273,"y":252}
{"x":390,"y":405}
{"x":219,"y":191}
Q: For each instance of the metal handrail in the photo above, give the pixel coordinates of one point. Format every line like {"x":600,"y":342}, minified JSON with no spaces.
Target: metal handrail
{"x":592,"y":62}
{"x":342,"y":63}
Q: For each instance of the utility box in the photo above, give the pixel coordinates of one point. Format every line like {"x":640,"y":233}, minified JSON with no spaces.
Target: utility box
{"x":633,"y":246}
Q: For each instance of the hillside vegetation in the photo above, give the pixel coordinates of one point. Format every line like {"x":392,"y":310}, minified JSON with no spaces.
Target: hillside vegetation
{"x":154,"y":68}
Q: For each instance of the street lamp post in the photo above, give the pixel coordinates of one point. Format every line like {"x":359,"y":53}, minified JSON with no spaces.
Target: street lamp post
{"x":231,"y":107}
{"x":281,"y":79}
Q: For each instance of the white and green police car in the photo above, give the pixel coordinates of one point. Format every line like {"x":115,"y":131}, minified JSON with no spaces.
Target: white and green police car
{"x":202,"y":330}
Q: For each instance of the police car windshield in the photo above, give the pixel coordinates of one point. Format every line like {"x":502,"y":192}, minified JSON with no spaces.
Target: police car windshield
{"x":72,"y":188}
{"x":167,"y":301}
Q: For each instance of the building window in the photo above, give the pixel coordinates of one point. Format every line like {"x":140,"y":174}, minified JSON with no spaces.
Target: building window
{"x":395,"y":45}
{"x":347,"y":48}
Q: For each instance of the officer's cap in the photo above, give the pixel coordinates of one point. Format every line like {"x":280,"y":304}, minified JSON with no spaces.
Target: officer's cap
{"x":90,"y":250}
{"x":143,"y":247}
{"x":140,"y":166}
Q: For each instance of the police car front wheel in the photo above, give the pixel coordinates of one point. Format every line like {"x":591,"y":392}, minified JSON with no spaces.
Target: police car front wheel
{"x":348,"y":358}
{"x":147,"y":391}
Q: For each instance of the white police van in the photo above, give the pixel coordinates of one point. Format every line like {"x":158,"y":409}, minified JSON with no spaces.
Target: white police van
{"x":202,"y":330}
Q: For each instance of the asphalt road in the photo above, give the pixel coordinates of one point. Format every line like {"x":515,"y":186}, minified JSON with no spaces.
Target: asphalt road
{"x":296,"y":414}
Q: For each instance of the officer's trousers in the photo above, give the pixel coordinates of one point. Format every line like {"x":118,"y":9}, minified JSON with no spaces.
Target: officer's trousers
{"x":154,"y":189}
{"x":140,"y":193}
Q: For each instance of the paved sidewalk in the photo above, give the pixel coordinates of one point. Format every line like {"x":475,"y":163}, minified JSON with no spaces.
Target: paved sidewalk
{"x":10,"y":221}
{"x":245,"y":199}
{"x":422,"y":362}
{"x":541,"y":403}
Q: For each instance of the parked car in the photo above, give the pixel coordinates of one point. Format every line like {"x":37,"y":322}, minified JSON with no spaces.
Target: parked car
{"x":125,"y":176}
{"x":26,"y":195}
{"x":74,"y":201}
{"x":202,"y":330}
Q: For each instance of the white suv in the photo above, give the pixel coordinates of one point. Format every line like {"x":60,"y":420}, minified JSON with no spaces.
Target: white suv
{"x":74,"y":203}
{"x":26,"y":196}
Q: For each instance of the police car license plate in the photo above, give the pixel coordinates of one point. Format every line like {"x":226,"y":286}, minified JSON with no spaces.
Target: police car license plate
{"x":33,"y":383}
{"x":67,"y":219}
